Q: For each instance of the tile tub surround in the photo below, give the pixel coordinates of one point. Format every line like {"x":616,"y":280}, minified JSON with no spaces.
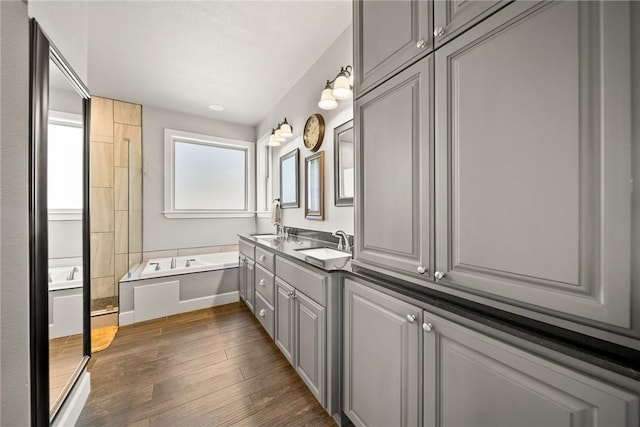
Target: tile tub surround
{"x":201,"y":250}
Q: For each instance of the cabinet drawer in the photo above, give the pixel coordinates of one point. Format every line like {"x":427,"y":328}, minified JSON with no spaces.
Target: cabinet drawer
{"x":265,"y":259}
{"x":264,"y":314}
{"x":246,"y":249}
{"x":306,"y":281}
{"x":264,"y":284}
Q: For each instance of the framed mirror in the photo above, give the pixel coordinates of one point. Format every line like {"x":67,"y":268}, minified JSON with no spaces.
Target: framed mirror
{"x":59,"y":228}
{"x":289,"y":188}
{"x":343,"y":164}
{"x":314,"y":186}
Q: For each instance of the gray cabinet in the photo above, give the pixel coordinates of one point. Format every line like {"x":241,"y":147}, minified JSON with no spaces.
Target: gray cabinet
{"x":394,"y":184}
{"x":389,"y":35}
{"x":250,"y":281}
{"x":533,"y":170}
{"x":473,"y":379}
{"x":284,"y":319}
{"x":309,"y":343}
{"x":382,"y":337}
{"x":452,"y":17}
{"x":242,"y":277}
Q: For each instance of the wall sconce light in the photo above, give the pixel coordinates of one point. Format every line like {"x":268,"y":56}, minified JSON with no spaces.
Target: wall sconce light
{"x":339,"y":88}
{"x":280,"y":134}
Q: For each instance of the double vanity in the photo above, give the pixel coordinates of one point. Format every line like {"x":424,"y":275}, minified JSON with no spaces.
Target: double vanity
{"x":375,"y":350}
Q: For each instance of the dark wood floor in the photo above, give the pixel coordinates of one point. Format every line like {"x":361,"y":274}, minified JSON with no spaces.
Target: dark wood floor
{"x":211,"y":367}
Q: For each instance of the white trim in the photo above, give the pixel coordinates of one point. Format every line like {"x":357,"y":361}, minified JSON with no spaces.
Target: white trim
{"x":170,"y":137}
{"x":65,"y":215}
{"x":126,"y":318}
{"x":264,"y":214}
{"x":65,"y":119}
{"x":72,"y":406}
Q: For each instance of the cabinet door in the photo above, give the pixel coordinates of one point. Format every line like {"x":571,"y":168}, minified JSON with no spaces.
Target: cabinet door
{"x":250,"y":280}
{"x":472,"y":379}
{"x":394,"y":182}
{"x":310,"y":336}
{"x":381,"y":358}
{"x":283,"y":333}
{"x":533,"y":149}
{"x":388,"y":35}
{"x":242,"y":277}
{"x":452,"y":17}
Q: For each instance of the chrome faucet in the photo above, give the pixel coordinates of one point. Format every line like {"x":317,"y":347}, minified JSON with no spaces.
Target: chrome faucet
{"x":72,"y":273}
{"x":173,"y":263}
{"x":189,"y":262}
{"x":50,"y":279}
{"x":343,"y":240}
{"x":157,"y":264}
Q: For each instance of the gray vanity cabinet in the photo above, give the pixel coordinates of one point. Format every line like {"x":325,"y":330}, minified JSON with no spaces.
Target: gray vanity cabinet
{"x":533,"y":169}
{"x":250,"y":281}
{"x":309,"y":344}
{"x":473,"y":379}
{"x":394,"y":143}
{"x":382,"y":337}
{"x":452,"y":17}
{"x":388,"y":36}
{"x":242,"y":277}
{"x":283,"y":334}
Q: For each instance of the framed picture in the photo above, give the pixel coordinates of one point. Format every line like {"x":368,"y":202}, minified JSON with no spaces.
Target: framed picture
{"x":289,"y":188}
{"x":314,"y":186}
{"x":343,"y":161}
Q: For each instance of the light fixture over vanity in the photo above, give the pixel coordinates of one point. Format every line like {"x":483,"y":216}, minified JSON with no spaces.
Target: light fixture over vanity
{"x":280,"y":133}
{"x":338,"y":89}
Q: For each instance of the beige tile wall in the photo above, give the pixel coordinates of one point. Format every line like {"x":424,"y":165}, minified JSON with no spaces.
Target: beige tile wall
{"x":114,"y":126}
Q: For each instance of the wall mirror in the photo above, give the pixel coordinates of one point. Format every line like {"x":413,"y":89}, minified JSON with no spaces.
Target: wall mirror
{"x":59,"y":247}
{"x":314,"y":186}
{"x":289,"y":188}
{"x":343,"y":169}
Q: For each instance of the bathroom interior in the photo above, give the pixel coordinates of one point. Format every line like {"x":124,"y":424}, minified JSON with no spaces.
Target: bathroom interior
{"x":377,"y":175}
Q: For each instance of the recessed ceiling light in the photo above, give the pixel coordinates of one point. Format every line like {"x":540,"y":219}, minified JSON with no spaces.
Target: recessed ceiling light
{"x":216,"y":107}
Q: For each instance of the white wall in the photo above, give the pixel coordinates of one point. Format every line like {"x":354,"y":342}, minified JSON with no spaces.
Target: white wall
{"x":297,"y":105}
{"x":14,"y":214}
{"x":66,"y":23}
{"x":158,"y":232}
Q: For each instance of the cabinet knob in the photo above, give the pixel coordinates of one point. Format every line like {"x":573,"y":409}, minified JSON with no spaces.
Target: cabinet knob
{"x":262,"y":312}
{"x":421,"y":43}
{"x":427,"y":327}
{"x":421,"y":270}
{"x":438,"y":32}
{"x":411,"y":318}
{"x":293,"y":295}
{"x":261,"y":282}
{"x":438,"y":275}
{"x":262,"y":258}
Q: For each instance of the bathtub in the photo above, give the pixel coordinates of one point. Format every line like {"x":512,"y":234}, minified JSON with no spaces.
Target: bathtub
{"x":197,"y":263}
{"x":66,"y":299}
{"x":147,"y":293}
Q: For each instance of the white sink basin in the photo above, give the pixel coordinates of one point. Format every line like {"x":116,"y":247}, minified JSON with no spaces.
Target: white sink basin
{"x":326,"y":257}
{"x":264,"y":236}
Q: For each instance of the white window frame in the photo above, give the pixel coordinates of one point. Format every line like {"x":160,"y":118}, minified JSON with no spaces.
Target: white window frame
{"x":171,"y":136}
{"x":62,"y":118}
{"x":264,"y":169}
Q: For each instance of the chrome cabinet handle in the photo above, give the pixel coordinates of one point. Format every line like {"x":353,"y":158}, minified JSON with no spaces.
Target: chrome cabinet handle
{"x":262,"y":258}
{"x":411,"y":318}
{"x":421,"y":269}
{"x":421,"y":43}
{"x":438,"y":32}
{"x":261,"y":282}
{"x":262,"y":312}
{"x":427,"y":327}
{"x":439,"y":275}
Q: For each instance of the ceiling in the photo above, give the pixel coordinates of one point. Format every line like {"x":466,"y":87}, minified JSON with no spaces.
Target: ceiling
{"x":187,"y":55}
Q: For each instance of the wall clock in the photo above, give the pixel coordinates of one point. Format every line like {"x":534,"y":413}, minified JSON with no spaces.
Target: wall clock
{"x":313,"y":132}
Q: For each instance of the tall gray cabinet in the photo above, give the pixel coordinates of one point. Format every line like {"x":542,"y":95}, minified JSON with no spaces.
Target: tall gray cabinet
{"x":499,"y":167}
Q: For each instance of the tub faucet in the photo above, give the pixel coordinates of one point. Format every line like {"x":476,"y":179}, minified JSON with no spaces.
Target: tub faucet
{"x":157,"y":264}
{"x":50,"y":279}
{"x":173,"y":263}
{"x":343,"y":240}
{"x":189,"y":262}
{"x":72,"y":273}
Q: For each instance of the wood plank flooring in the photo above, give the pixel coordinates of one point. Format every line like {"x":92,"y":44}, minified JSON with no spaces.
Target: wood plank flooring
{"x":212,"y":367}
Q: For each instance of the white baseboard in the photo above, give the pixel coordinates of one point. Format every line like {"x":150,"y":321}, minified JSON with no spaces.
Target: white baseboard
{"x":129,"y":317}
{"x":72,"y":407}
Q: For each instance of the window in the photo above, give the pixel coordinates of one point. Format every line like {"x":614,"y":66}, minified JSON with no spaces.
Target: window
{"x":207,"y":177}
{"x":65,"y":148}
